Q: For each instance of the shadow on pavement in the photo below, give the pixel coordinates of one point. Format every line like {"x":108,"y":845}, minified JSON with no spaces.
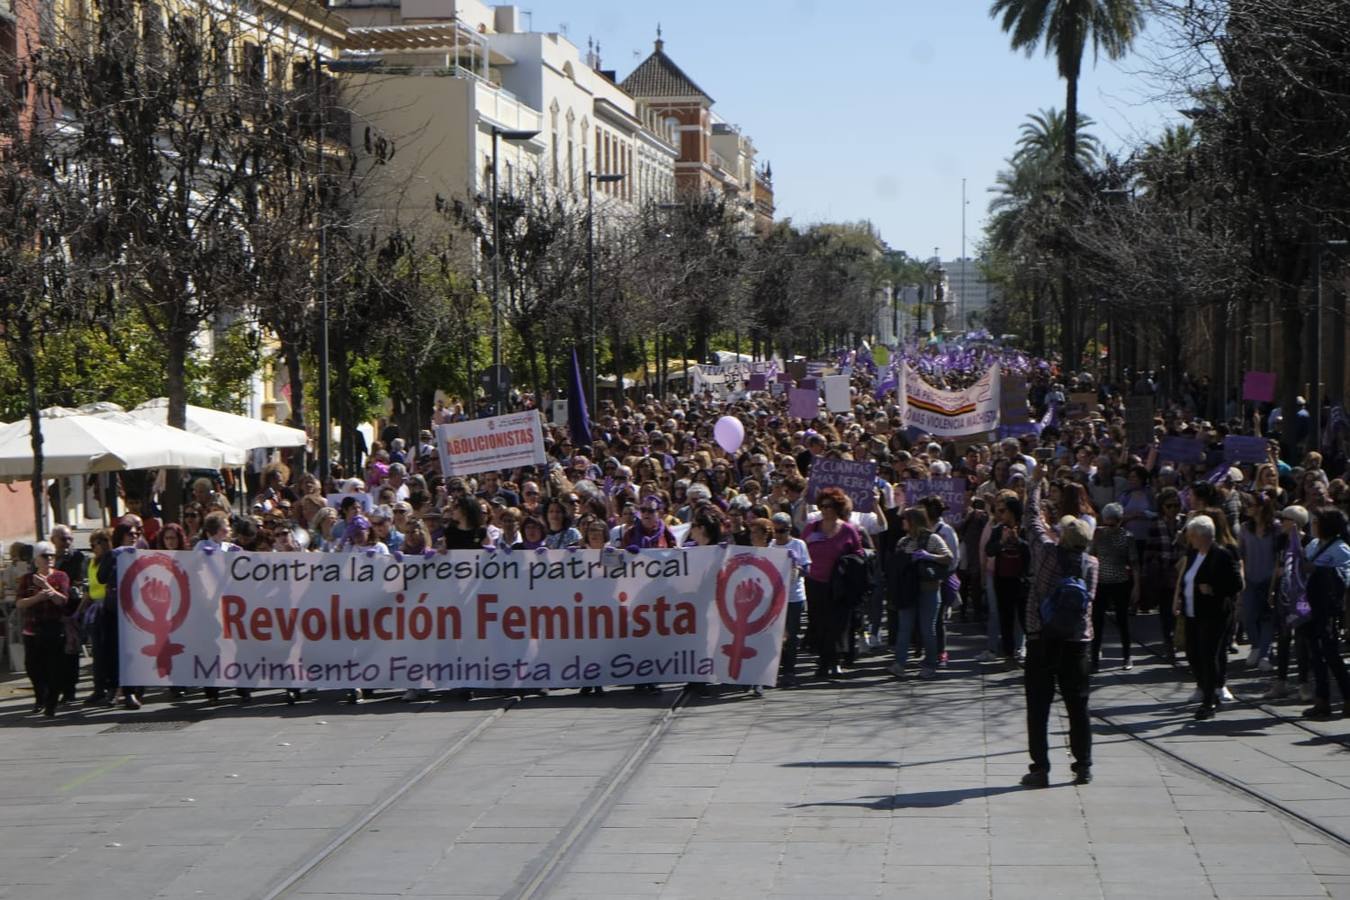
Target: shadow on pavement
{"x":920,"y":799}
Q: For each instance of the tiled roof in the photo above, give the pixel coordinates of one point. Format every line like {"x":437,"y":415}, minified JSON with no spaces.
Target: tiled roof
{"x":658,"y":76}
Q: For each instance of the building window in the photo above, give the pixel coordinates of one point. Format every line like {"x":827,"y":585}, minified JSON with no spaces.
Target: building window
{"x":254,"y":65}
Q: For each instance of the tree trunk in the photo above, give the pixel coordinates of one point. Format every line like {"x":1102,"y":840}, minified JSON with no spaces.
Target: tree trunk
{"x":347,"y":444}
{"x":295,"y":376}
{"x":470,"y":406}
{"x":179,"y":340}
{"x":1068,"y":338}
{"x":550,"y":368}
{"x":532,"y":355}
{"x":1336,"y":384}
{"x":616,"y":359}
{"x":28,"y":366}
{"x":643,"y":383}
{"x":1218,"y":361}
{"x":1038,"y":322}
{"x":1291,"y":309}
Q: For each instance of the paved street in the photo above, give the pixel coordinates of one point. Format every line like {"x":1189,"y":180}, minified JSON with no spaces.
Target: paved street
{"x":868,"y":788}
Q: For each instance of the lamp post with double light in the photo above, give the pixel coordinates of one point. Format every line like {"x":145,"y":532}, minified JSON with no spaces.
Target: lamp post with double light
{"x":592,"y":178}
{"x":518,"y":137}
{"x":325,"y":402}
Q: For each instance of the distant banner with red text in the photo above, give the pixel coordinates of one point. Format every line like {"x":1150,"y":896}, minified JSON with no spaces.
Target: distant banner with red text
{"x":480,"y":619}
{"x":485,"y":445}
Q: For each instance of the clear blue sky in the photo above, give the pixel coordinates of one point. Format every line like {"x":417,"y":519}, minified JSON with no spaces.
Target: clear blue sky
{"x":869,"y":109}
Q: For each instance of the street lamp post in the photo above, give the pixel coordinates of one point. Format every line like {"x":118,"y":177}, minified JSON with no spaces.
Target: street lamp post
{"x":325,"y":403}
{"x":1315,"y":389}
{"x":591,"y":179}
{"x":509,"y":135}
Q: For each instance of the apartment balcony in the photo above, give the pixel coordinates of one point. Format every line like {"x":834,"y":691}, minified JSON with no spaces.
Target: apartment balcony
{"x":498,"y":106}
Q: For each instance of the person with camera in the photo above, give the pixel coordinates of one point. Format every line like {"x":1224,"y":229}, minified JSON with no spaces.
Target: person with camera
{"x":922,"y":560}
{"x":1059,"y":637}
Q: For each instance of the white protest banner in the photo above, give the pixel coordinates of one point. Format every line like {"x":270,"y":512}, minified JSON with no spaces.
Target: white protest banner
{"x":485,"y":445}
{"x":837,"y":398}
{"x":451,"y":620}
{"x":951,"y":414}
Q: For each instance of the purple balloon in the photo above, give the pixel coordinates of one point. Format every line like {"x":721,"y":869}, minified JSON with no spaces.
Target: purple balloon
{"x":729,"y":433}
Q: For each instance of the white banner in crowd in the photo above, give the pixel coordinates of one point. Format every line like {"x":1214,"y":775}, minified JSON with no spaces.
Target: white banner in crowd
{"x":838,"y":398}
{"x":485,"y":445}
{"x":949,"y":414}
{"x":451,"y":620}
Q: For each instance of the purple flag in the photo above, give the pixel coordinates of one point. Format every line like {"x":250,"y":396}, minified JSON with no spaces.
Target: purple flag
{"x":578,"y":419}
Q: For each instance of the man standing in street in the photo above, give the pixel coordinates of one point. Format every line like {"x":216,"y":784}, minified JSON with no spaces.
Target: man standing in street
{"x":1064,"y":583}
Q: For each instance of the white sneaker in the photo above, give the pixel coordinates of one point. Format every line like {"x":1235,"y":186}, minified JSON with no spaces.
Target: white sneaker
{"x":986,"y":656}
{"x":1225,"y":694}
{"x":1254,"y":657}
{"x":1196,"y":696}
{"x":1265,"y":665}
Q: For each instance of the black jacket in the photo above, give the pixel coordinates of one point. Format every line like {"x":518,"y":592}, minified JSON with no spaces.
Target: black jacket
{"x":1220,"y":572}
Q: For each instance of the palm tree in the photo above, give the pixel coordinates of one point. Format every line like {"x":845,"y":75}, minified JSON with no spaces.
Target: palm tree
{"x":1066,"y":27}
{"x":1045,"y":135}
{"x":1167,"y":164}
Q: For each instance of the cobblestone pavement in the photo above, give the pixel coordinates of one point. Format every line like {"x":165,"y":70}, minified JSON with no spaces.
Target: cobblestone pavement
{"x":867,"y":787}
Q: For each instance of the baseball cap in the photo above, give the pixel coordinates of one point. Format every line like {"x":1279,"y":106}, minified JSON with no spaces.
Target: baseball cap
{"x":1295,"y":514}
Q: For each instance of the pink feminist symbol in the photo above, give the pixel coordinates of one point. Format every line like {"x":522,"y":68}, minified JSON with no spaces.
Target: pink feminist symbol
{"x":157,"y":597}
{"x":749,"y":593}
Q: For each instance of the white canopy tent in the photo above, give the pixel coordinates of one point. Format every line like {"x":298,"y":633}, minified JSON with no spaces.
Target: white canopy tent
{"x":75,"y":443}
{"x":237,"y":431}
{"x":230,"y":455}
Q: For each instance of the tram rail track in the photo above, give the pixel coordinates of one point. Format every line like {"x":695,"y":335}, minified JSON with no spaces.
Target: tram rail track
{"x":1256,"y":793}
{"x":535,"y":879}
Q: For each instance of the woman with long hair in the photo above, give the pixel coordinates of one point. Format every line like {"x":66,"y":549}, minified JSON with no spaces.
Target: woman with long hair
{"x":1073,"y":501}
{"x":1329,"y":555}
{"x":561,"y":533}
{"x":171,"y":537}
{"x":465,"y":529}
{"x":93,"y":615}
{"x":1257,"y":548}
{"x":126,"y":534}
{"x":1162,"y":554}
{"x":827,"y":540}
{"x":1118,"y":582}
{"x":923,"y":558}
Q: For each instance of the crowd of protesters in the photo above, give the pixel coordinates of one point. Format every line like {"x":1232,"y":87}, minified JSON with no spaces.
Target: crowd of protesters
{"x":1220,"y":553}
